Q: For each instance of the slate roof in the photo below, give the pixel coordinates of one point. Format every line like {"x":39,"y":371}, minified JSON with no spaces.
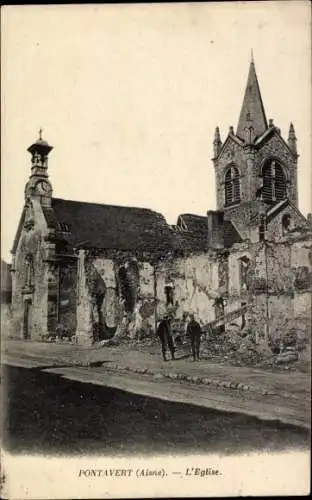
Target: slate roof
{"x":188,"y":241}
{"x":195,"y":237}
{"x":278,"y":207}
{"x":190,"y":233}
{"x":252,"y":111}
{"x":194,"y":223}
{"x":93,"y":225}
{"x":275,"y":209}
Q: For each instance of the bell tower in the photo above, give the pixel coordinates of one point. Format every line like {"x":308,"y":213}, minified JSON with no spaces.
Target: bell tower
{"x":38,"y":184}
{"x":255,"y":163}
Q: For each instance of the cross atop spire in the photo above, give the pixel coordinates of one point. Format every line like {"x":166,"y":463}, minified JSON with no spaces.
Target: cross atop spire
{"x":252,"y":112}
{"x":252,"y":57}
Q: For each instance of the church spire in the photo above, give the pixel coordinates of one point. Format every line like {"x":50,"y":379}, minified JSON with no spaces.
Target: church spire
{"x":252,"y":120}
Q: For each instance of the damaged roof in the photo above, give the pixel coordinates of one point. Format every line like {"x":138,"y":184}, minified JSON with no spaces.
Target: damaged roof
{"x":190,"y":233}
{"x":193,"y":223}
{"x":93,"y":225}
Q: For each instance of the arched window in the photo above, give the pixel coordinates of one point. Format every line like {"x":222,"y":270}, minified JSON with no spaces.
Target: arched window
{"x":29,"y":271}
{"x":129,"y":278}
{"x":231,"y":186}
{"x":286,"y":221}
{"x":274,"y":182}
{"x":244,"y":268}
{"x":169,"y":289}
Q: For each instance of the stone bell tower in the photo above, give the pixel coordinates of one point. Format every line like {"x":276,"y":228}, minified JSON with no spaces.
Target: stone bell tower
{"x":255,"y":164}
{"x":38,"y":184}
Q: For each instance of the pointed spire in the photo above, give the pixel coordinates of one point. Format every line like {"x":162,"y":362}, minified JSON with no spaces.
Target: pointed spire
{"x":252,"y":57}
{"x":292,"y":139}
{"x":217,"y":143}
{"x":252,"y":115}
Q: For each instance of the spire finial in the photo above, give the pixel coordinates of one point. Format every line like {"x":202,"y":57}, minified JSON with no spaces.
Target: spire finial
{"x":252,"y":57}
{"x":40,"y":133}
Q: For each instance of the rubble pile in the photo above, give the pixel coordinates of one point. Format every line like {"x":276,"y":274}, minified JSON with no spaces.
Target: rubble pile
{"x":237,"y":347}
{"x":246,"y":347}
{"x":288,"y":355}
{"x":251,"y":352}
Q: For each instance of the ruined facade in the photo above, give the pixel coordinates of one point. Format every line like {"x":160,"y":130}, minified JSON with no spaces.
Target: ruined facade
{"x":93,"y":272}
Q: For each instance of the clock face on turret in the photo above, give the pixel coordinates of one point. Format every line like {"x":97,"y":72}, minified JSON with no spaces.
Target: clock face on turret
{"x":43,"y":188}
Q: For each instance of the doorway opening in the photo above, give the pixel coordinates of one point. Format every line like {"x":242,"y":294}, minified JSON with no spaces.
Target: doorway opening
{"x":27,"y":319}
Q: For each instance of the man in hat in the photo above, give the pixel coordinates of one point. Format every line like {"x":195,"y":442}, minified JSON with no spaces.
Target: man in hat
{"x":165,"y":335}
{"x":194,"y":332}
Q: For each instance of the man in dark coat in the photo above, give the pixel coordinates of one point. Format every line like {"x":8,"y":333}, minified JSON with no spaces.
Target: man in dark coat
{"x":194,"y":333}
{"x":165,"y":335}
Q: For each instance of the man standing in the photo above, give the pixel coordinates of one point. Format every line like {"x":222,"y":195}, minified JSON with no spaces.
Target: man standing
{"x":165,"y":335}
{"x":194,"y":333}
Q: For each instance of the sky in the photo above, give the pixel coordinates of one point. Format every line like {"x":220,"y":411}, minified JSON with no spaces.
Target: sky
{"x":129,"y":97}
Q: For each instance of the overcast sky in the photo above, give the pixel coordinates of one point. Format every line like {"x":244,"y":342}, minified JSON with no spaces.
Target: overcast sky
{"x":130,"y":95}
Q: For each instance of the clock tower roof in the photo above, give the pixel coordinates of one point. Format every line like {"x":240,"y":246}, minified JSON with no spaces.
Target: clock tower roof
{"x":40,"y":146}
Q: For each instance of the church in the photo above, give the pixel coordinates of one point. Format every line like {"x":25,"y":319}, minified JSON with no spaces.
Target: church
{"x":92,"y":271}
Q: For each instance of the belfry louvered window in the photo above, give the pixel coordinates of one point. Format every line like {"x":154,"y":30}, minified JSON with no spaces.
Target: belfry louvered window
{"x":274,"y":182}
{"x":231,"y":186}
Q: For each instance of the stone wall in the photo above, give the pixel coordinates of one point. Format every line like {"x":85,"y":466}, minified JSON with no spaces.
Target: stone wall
{"x":195,"y":286}
{"x":68,"y":297}
{"x":232,"y":154}
{"x":275,"y":147}
{"x":281,"y":288}
{"x":116,"y":296}
{"x":275,"y":230}
{"x":105,"y":311}
{"x":246,"y":218}
{"x":30,"y":276}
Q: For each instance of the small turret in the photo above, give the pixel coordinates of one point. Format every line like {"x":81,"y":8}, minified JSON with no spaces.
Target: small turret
{"x":38,"y":184}
{"x":217,"y":143}
{"x":292,"y":139}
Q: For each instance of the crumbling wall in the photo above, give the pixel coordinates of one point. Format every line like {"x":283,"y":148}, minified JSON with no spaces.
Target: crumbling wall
{"x":195,"y":281}
{"x":68,"y":297}
{"x":84,"y":331}
{"x":116,"y":296}
{"x":281,"y":289}
{"x":275,"y":228}
{"x":147,"y":298}
{"x":301,"y":266}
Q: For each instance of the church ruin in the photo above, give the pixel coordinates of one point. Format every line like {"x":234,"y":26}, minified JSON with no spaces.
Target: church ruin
{"x":100,"y":271}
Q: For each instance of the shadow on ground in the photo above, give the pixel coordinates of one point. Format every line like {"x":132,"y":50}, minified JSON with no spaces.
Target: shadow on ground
{"x":48,"y":414}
